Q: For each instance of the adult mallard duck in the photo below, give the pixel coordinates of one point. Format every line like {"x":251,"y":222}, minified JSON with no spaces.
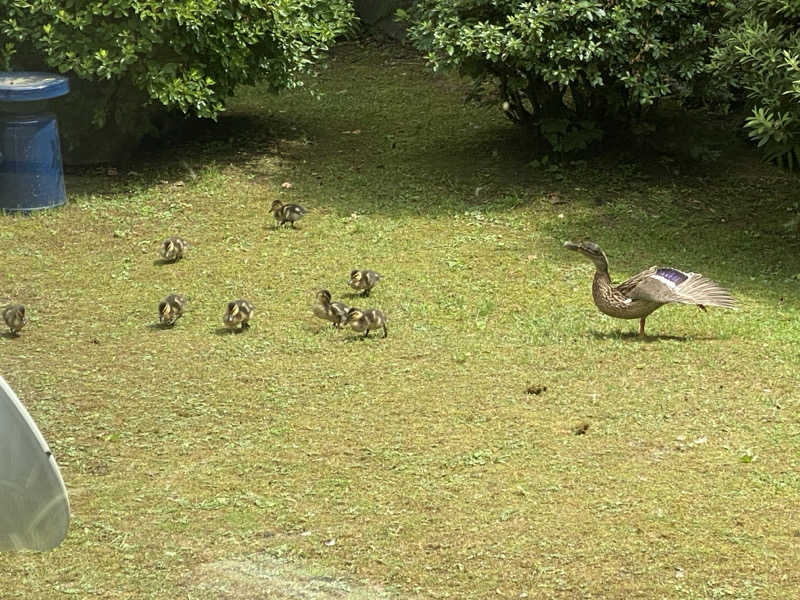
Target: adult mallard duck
{"x":649,"y":290}
{"x":287,"y":212}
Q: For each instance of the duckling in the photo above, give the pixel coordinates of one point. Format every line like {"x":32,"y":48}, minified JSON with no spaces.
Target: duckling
{"x":14,"y":316}
{"x":364,"y":320}
{"x":173,"y":248}
{"x":364,"y":280}
{"x":287,"y":212}
{"x":238,"y":311}
{"x":335,"y":312}
{"x":170,"y":309}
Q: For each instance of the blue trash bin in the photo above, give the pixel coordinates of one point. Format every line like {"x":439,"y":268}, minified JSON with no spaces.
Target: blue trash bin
{"x":31,"y":172}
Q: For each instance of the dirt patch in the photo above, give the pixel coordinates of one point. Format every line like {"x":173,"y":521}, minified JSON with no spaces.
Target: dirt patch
{"x":269,"y":578}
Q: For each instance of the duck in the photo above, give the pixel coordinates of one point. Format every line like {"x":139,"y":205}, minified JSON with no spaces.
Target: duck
{"x":364,"y":320}
{"x":238,"y":312}
{"x":649,"y":290}
{"x":287,"y":212}
{"x":14,"y":316}
{"x":173,"y":248}
{"x":335,"y":312}
{"x":170,"y":309}
{"x":364,"y":280}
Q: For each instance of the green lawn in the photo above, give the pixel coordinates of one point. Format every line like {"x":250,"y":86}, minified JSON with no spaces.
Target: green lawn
{"x":202,"y":464}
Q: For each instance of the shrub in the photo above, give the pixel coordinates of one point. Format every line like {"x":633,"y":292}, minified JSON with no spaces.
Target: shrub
{"x":759,"y":52}
{"x":182,"y":55}
{"x":566,"y":68}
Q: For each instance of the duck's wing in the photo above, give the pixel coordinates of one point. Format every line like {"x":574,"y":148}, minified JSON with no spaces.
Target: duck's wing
{"x":665,"y":284}
{"x":626,"y":287}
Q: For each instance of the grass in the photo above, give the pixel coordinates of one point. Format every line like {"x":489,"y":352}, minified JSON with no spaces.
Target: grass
{"x":294,"y":459}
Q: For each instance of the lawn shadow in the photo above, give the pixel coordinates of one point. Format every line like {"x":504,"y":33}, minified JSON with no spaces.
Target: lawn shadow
{"x":634,"y":336}
{"x":160,"y":327}
{"x":648,"y":338}
{"x":351,"y":295}
{"x":234,"y":138}
{"x":228,"y":330}
{"x":356,"y":337}
{"x":9,"y":335}
{"x":160,"y":262}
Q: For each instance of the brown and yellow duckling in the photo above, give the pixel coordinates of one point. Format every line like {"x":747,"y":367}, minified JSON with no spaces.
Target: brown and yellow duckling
{"x":14,"y":316}
{"x":238,"y":312}
{"x":170,"y":309}
{"x":365,"y":320}
{"x":649,"y":290}
{"x":284,"y":213}
{"x":335,"y":312}
{"x":364,"y":280}
{"x":173,"y":248}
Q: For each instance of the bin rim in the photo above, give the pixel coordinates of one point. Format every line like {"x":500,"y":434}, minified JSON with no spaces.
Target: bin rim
{"x":27,"y":86}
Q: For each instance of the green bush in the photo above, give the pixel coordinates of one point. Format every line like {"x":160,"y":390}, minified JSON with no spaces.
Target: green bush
{"x":182,"y":55}
{"x":567,"y":69}
{"x":759,"y":52}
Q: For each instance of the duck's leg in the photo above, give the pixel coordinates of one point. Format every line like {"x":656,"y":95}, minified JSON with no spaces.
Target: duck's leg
{"x":366,"y":333}
{"x":385,"y":331}
{"x":641,"y":325}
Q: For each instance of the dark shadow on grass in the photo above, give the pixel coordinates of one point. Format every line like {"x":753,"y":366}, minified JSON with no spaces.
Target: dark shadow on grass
{"x":352,"y":295}
{"x":228,"y":331}
{"x":9,"y":335}
{"x":160,"y":327}
{"x":635,"y":337}
{"x":235,"y":138}
{"x":360,"y":337}
{"x":649,"y":338}
{"x":160,"y":262}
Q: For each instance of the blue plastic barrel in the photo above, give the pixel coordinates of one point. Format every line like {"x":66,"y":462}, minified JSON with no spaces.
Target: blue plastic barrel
{"x":31,"y":173}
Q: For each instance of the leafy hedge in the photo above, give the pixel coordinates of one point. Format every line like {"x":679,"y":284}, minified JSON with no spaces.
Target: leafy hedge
{"x":568,"y":68}
{"x":759,"y":52}
{"x":183,"y":55}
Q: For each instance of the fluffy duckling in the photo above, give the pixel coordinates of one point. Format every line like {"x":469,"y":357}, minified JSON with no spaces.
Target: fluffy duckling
{"x":14,"y":316}
{"x":364,"y":320}
{"x":287,"y":212}
{"x":335,"y":312}
{"x":364,"y":280}
{"x":173,"y":248}
{"x":238,"y":312}
{"x":170,"y":309}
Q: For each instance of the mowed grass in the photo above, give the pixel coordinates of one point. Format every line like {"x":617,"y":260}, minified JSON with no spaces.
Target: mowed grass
{"x":424,"y":465}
